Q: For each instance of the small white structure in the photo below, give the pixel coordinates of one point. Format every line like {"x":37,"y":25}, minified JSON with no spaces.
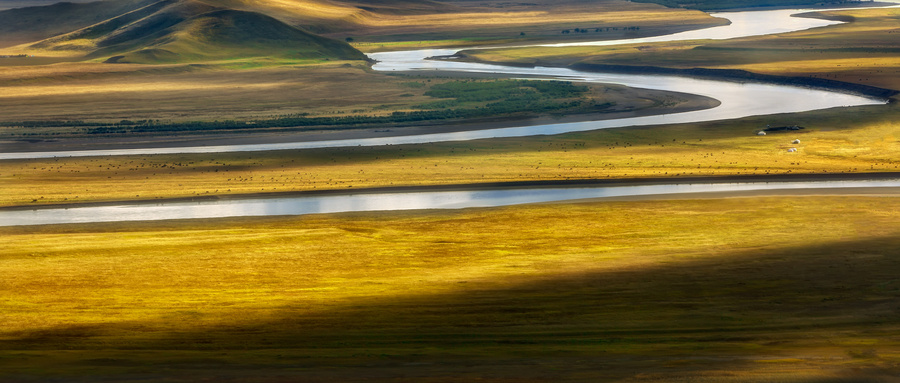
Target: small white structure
{"x":760,"y":133}
{"x":791,"y":150}
{"x":795,"y":142}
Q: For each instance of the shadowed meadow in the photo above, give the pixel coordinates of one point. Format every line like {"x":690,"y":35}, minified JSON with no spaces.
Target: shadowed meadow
{"x":790,"y":288}
{"x":740,"y":289}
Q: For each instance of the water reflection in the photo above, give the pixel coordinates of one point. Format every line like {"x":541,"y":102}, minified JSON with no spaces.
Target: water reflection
{"x":386,"y":201}
{"x":738,"y":100}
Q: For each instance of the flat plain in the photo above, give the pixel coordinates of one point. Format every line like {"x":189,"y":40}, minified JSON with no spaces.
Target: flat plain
{"x":771,"y":287}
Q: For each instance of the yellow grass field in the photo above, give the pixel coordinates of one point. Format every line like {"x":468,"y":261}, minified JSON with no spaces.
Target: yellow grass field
{"x":835,"y":141}
{"x":237,"y":90}
{"x":794,"y":289}
{"x":723,"y":290}
{"x":862,"y":51}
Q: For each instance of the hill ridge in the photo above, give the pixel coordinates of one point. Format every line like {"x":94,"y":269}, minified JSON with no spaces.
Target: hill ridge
{"x":169,"y":31}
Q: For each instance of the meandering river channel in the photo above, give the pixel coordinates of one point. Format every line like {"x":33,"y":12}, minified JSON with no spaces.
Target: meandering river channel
{"x":737,"y":100}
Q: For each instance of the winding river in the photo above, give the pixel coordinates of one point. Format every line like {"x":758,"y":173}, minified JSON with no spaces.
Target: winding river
{"x":737,"y":100}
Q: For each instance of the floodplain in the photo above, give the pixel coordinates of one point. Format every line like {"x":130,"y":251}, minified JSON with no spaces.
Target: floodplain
{"x":793,"y":288}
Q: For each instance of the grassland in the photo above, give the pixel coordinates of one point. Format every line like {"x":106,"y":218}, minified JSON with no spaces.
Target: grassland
{"x":76,"y":100}
{"x":791,"y":289}
{"x":862,"y":139}
{"x":863,"y":51}
{"x":747,"y":289}
{"x":170,"y":30}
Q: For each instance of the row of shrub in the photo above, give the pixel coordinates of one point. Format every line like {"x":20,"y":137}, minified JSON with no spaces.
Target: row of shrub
{"x":467,"y":99}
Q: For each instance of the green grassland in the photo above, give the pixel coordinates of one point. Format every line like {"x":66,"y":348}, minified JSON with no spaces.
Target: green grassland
{"x":795,"y":289}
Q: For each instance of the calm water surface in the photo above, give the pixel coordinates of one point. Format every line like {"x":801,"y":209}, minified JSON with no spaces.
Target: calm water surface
{"x":738,"y":100}
{"x":384,"y":202}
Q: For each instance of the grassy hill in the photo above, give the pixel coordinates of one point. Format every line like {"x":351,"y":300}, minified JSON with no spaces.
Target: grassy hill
{"x":185,"y":31}
{"x":225,"y":34}
{"x":66,"y":32}
{"x":29,"y":24}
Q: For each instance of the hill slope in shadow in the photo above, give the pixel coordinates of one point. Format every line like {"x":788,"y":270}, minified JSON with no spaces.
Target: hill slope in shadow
{"x":170,"y":31}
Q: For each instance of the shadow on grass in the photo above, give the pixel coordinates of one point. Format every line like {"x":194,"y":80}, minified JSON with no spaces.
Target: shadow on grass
{"x":815,"y":314}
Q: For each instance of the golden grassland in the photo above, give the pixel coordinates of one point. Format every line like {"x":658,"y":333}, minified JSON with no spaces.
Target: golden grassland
{"x":842,"y":140}
{"x":792,"y":289}
{"x":861,"y":139}
{"x":483,"y":21}
{"x":863,"y":51}
{"x":241,"y":90}
{"x":379,"y":26}
{"x":720,"y":290}
{"x":527,"y":27}
{"x":229,"y":90}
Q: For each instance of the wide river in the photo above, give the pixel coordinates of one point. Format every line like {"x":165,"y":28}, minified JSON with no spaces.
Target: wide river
{"x":738,"y":100}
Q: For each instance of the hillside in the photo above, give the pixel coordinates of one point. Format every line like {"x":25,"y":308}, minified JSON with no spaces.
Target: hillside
{"x":28,"y":24}
{"x":66,"y":32}
{"x":186,"y":31}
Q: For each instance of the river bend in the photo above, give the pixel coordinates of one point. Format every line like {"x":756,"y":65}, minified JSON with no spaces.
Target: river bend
{"x":737,"y":99}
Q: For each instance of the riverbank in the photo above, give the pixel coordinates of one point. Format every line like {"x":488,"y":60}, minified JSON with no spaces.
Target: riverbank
{"x":674,"y":102}
{"x":737,"y":75}
{"x":774,"y":179}
{"x":858,"y":56}
{"x":731,"y":75}
{"x":835,"y":142}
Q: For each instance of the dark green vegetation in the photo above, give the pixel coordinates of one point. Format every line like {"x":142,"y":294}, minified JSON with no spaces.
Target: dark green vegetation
{"x":461,"y":100}
{"x":702,"y":291}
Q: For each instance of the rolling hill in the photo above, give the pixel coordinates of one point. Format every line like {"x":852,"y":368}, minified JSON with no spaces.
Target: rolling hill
{"x":29,"y":24}
{"x":164,"y":31}
{"x":171,"y":31}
